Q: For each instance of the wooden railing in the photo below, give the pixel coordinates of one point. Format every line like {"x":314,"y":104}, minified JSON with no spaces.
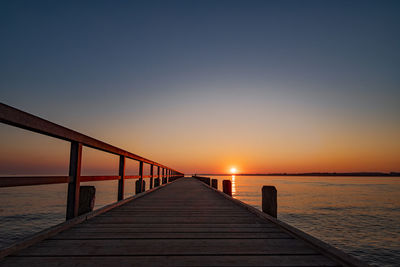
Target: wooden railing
{"x":20,"y":119}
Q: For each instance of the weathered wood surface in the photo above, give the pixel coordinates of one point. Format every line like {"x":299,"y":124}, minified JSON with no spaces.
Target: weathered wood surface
{"x":185,"y":223}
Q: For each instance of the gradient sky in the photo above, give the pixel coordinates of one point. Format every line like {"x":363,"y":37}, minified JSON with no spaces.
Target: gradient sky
{"x":201,"y":86}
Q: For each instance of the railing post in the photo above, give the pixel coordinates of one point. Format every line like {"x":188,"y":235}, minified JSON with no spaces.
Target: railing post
{"x":157,"y":180}
{"x":141,"y":189}
{"x":75,"y":160}
{"x":121,"y":181}
{"x":151,"y":175}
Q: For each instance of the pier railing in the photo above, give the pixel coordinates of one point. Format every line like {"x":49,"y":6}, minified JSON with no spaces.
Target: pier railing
{"x":21,"y":119}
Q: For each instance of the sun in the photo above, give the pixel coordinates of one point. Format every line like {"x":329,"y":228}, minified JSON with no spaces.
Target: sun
{"x":233,"y":170}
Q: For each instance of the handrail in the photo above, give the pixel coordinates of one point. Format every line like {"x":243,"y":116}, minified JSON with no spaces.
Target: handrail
{"x":24,"y":120}
{"x":13,"y":181}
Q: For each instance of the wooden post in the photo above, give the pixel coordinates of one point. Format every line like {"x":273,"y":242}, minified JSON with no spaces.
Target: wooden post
{"x":141,"y":176}
{"x":151,"y":175}
{"x":75,"y":160}
{"x":163,"y":176}
{"x":158,"y":177}
{"x":269,"y":200}
{"x":87,"y":195}
{"x":139,"y":186}
{"x":227,"y":187}
{"x":214,"y":183}
{"x":121,"y":181}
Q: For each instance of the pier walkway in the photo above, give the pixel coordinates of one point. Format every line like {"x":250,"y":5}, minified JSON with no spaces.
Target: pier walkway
{"x":183,"y":223}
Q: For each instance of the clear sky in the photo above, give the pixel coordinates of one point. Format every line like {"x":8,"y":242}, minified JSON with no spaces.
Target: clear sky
{"x":202,"y":86}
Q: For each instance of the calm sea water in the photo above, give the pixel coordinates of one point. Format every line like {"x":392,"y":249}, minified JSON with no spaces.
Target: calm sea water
{"x":360,"y":215}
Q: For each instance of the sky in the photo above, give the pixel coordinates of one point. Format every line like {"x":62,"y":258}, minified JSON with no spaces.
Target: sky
{"x":204,"y":86}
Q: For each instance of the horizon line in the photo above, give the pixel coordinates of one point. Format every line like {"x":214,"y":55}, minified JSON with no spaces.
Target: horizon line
{"x":391,"y":173}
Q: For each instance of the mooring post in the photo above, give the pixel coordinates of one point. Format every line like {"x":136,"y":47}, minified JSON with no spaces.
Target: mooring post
{"x":121,"y":181}
{"x":140,"y":186}
{"x":151,"y":175}
{"x":269,"y":200}
{"x":75,"y":160}
{"x":214,"y":183}
{"x":227,"y":187}
{"x":87,"y":195}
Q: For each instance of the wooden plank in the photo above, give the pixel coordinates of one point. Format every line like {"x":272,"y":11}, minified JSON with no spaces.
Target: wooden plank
{"x":172,"y":260}
{"x":168,"y":220}
{"x":174,"y":209}
{"x":90,"y":224}
{"x":170,"y":235}
{"x":175,"y":214}
{"x":169,"y":247}
{"x":165,"y":229}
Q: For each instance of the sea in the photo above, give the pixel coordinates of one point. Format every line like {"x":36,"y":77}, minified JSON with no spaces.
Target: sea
{"x":359,"y":215}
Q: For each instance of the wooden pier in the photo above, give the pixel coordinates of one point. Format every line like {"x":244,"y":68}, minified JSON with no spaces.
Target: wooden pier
{"x":184,"y":223}
{"x":177,"y":222}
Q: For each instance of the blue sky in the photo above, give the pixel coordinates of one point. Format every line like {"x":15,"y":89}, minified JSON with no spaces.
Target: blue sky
{"x":299,"y":69}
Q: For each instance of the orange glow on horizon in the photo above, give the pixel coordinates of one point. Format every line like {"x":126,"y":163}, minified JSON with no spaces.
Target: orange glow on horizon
{"x":325,"y":149}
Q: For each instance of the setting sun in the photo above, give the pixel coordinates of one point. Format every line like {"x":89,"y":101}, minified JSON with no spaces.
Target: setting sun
{"x":233,"y":170}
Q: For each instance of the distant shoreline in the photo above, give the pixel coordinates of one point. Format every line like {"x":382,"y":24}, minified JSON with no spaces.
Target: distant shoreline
{"x":355,"y":174}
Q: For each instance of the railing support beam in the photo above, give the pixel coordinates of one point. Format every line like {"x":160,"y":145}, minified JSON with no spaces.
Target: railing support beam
{"x":121,"y":181}
{"x":74,"y":183}
{"x":151,"y":175}
{"x":141,"y":189}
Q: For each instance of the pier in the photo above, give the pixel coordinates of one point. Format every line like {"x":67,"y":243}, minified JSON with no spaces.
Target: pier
{"x":178,"y":221}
